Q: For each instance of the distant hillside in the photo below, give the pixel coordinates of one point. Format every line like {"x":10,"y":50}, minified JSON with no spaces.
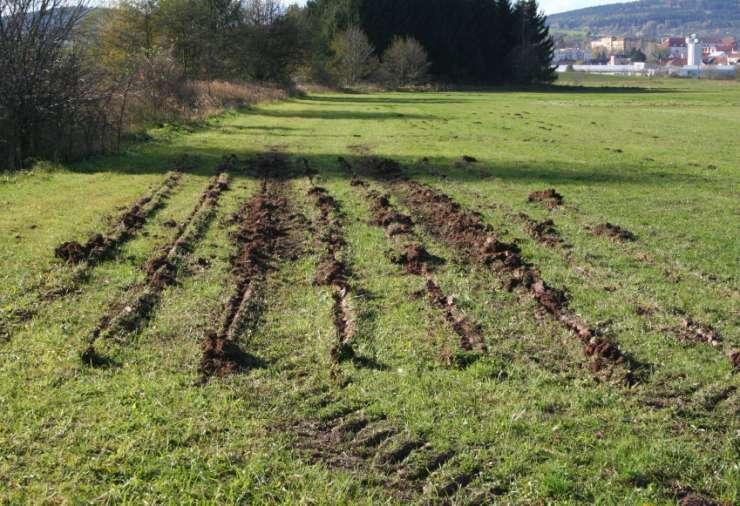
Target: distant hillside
{"x":654,"y":18}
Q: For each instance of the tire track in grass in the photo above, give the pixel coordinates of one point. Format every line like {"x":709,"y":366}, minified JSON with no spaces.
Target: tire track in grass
{"x":135,"y":308}
{"x":412,"y":255}
{"x":685,"y":330}
{"x":468,"y":234}
{"x":98,"y":248}
{"x":380,"y":452}
{"x":268,"y":229}
{"x":333,"y":270}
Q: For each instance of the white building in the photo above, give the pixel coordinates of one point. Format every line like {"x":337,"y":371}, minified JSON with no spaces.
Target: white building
{"x":694,"y":50}
{"x":572,"y":54}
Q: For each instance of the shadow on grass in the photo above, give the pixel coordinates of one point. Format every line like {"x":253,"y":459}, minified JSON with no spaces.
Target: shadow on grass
{"x":160,"y":157}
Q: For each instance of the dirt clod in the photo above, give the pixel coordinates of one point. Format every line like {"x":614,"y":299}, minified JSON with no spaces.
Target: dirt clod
{"x":693,"y":331}
{"x":550,"y":198}
{"x":614,"y":232}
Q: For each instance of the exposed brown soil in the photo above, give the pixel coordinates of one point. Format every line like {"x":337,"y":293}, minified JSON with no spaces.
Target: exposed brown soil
{"x":734,"y":357}
{"x":471,"y":335}
{"x":697,"y":500}
{"x":465,"y":231}
{"x":100,"y":246}
{"x":550,"y":198}
{"x":413,"y":256}
{"x":161,"y":272}
{"x":332,"y":271}
{"x":268,"y":232}
{"x":541,"y":231}
{"x":693,"y":331}
{"x":613,"y":232}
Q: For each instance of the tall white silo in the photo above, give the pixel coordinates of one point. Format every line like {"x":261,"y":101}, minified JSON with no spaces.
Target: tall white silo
{"x":694,"y":50}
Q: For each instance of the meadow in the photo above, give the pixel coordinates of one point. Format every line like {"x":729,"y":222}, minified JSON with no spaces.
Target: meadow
{"x":369,"y":308}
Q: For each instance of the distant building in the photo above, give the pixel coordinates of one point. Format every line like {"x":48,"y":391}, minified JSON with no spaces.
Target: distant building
{"x":615,"y":45}
{"x":714,"y":45}
{"x":572,"y":55}
{"x":676,"y":47}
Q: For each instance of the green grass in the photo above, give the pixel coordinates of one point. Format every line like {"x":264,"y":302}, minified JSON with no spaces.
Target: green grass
{"x":659,"y":157}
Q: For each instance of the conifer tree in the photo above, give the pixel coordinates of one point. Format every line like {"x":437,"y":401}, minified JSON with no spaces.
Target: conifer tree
{"x":531,"y":57}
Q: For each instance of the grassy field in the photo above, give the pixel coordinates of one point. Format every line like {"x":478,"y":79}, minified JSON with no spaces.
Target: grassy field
{"x":528,"y":420}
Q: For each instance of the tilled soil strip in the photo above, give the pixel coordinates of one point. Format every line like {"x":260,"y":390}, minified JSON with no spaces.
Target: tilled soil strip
{"x":333,"y":271}
{"x":99,"y":246}
{"x":268,"y":229}
{"x":161,"y":272}
{"x":466,"y":231}
{"x":413,"y":256}
{"x":687,"y":331}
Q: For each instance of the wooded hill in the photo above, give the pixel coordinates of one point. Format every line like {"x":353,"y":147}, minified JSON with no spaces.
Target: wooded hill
{"x":654,"y":18}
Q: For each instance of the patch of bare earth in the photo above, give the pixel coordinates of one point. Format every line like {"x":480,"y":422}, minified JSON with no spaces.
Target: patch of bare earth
{"x":268,"y":232}
{"x":161,"y":271}
{"x":614,"y":232}
{"x":550,"y":198}
{"x":543,"y":232}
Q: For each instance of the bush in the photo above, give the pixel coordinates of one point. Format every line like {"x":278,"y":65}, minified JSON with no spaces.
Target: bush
{"x":353,"y":56}
{"x":404,"y":63}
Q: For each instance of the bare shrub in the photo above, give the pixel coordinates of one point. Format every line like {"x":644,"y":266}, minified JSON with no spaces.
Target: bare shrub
{"x":404,"y":63}
{"x":50,"y":105}
{"x":353,"y":56}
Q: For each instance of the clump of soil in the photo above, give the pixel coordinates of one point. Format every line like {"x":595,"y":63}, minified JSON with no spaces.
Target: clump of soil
{"x":550,"y":198}
{"x":415,"y":259}
{"x":696,"y":500}
{"x":614,"y":232}
{"x":734,"y":357}
{"x":71,"y":251}
{"x":221,"y":356}
{"x":542,"y":231}
{"x":693,"y":331}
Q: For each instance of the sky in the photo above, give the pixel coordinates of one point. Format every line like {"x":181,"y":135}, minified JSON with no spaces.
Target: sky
{"x":554,"y":6}
{"x":549,"y":6}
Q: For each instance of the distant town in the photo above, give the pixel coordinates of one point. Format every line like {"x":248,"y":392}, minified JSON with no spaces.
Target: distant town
{"x":684,"y":56}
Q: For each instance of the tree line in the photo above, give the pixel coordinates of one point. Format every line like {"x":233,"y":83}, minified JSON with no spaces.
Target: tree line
{"x":77,"y":80}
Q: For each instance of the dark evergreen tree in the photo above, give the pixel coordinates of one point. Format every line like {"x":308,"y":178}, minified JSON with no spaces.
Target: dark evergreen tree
{"x":531,"y":56}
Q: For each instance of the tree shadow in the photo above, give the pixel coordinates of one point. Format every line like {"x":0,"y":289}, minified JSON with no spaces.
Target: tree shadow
{"x":551,"y":172}
{"x":345,"y":115}
{"x":363,"y":99}
{"x":562,"y":89}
